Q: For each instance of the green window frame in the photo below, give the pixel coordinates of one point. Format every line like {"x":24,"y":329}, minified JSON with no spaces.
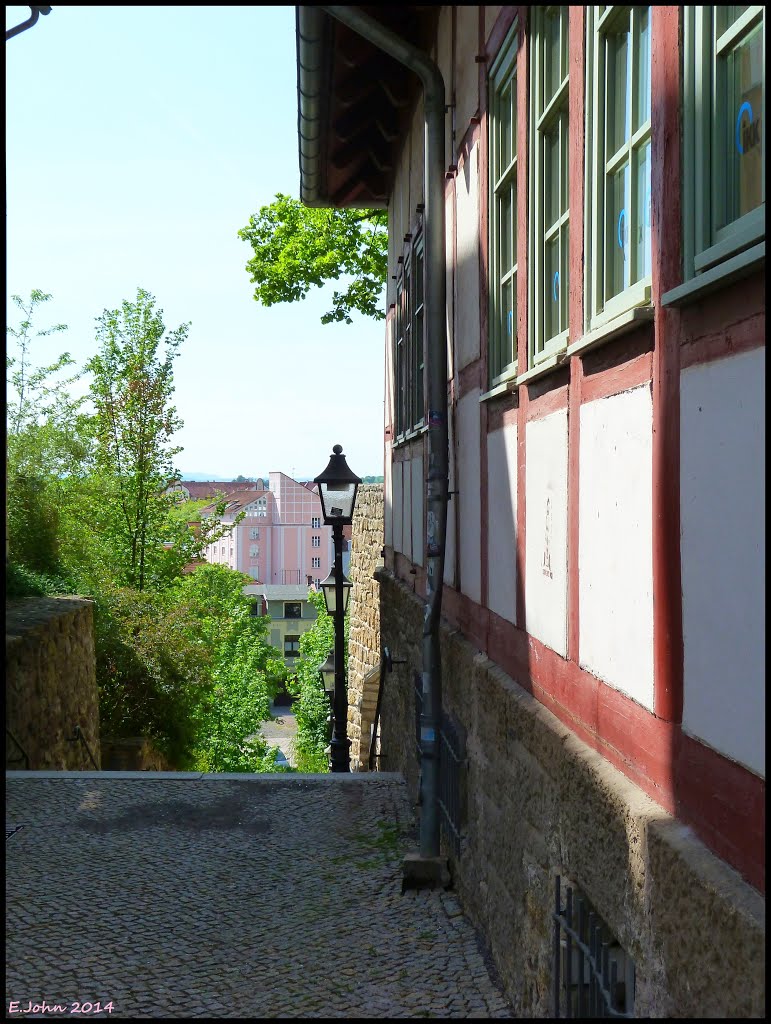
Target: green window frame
{"x":618,"y":193}
{"x":724,"y":156}
{"x":409,"y":343}
{"x":549,"y":183}
{"x":502,"y":159}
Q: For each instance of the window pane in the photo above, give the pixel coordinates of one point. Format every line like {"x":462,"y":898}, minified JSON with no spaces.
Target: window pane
{"x":564,"y":162}
{"x":551,"y":55}
{"x":504,"y":114}
{"x":509,"y":323}
{"x":417,"y":283}
{"x":643,"y":111}
{"x":616,"y":233}
{"x":417,"y":412}
{"x":551,"y":176}
{"x":740,"y":100}
{"x":564,"y":281}
{"x":643,"y":213}
{"x":507,"y":242}
{"x":552,"y":289}
{"x":616,"y":86}
{"x":726,"y":16}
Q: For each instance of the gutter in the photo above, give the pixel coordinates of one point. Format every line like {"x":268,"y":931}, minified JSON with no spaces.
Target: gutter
{"x":36,"y":12}
{"x":309,"y":32}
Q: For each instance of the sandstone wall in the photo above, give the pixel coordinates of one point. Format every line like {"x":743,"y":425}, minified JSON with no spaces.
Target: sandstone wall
{"x":364,"y":628}
{"x":539,"y":802}
{"x":50,"y":685}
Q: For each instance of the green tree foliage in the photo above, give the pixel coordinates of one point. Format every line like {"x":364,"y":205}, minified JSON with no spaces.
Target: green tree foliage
{"x":179,"y":658}
{"x":47,"y":443}
{"x":154,"y":675}
{"x":246,"y":672}
{"x":133,"y":381}
{"x":312,"y":705}
{"x":297,"y":248}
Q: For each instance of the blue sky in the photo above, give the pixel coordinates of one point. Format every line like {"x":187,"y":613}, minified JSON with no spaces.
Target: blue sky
{"x":138,"y":141}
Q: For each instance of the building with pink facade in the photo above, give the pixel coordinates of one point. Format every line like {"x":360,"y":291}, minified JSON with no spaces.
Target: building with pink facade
{"x":281,"y":540}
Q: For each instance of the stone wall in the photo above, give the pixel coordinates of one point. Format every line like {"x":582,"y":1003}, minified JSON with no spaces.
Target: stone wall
{"x":364,"y":627}
{"x":539,"y":802}
{"x":51,"y":685}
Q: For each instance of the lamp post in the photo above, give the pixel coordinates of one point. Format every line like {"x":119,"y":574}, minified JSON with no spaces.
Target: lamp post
{"x":337,"y":490}
{"x":327,"y":671}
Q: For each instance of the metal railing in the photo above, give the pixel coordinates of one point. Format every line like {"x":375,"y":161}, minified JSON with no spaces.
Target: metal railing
{"x":591,"y":973}
{"x":24,"y":755}
{"x":78,"y":735}
{"x":452,"y":755}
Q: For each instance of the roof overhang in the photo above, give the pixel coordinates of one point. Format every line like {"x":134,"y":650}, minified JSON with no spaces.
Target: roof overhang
{"x":354,"y":103}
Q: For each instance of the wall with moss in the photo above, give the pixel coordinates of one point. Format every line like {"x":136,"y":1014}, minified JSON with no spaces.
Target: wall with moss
{"x":51,"y":688}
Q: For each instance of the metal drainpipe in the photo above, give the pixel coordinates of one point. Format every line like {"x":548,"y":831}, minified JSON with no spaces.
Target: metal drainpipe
{"x":32,"y":20}
{"x":436,"y":357}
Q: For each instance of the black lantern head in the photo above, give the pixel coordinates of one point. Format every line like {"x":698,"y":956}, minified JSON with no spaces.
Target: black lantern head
{"x":329,"y":590}
{"x":337,"y":490}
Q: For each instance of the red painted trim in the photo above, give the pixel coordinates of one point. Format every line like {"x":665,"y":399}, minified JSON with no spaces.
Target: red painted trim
{"x":574,"y":439}
{"x":470,"y":377}
{"x":741,"y":337}
{"x":666,"y":223}
{"x":500,"y":29}
{"x":484,"y":295}
{"x":523,"y":90}
{"x":722,"y":801}
{"x":549,"y":402}
{"x":577,"y":135}
{"x":502,"y":411}
{"x":484,"y":510}
{"x":725,"y":804}
{"x":616,"y":379}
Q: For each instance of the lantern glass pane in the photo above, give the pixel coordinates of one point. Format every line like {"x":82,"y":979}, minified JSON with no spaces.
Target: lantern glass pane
{"x":337,"y":499}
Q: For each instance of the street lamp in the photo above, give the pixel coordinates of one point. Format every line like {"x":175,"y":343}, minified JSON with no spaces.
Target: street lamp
{"x":327,"y":671}
{"x":337,"y":491}
{"x":329,"y":590}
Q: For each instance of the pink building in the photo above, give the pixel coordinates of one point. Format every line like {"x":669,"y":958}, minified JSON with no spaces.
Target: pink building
{"x":281,"y":539}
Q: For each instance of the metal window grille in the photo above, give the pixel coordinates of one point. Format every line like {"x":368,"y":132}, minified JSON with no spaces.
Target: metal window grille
{"x":452,"y":755}
{"x":592,"y":975}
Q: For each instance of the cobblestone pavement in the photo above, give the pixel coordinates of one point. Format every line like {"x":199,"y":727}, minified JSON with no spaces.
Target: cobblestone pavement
{"x":228,"y":896}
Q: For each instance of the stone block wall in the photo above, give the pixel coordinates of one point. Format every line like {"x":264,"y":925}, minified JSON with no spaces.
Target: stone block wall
{"x":364,"y":627}
{"x":50,"y":687}
{"x":539,"y":802}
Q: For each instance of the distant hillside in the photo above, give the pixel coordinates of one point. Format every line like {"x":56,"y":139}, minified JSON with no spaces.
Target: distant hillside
{"x":203,"y":476}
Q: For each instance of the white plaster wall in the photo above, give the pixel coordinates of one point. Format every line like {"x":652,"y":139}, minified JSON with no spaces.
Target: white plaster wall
{"x":416,"y":166}
{"x":467,"y":424}
{"x":450,"y":281}
{"x":407,"y":510}
{"x":722,"y":510}
{"x":467,"y":69}
{"x":452,"y":506}
{"x":396,"y":486}
{"x":491,"y":14}
{"x":418,"y":528}
{"x":546,"y":529}
{"x":388,"y":512}
{"x":502,"y":522}
{"x":467,"y":272}
{"x":615,"y":560}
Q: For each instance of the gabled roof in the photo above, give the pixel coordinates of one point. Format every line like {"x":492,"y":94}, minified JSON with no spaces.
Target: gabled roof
{"x":354,"y":103}
{"x":280,"y":591}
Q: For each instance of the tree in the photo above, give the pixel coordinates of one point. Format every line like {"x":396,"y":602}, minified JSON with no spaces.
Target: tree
{"x":245,"y":670}
{"x":297,"y":248}
{"x":312,"y":706}
{"x":131,"y":390}
{"x":47,"y":446}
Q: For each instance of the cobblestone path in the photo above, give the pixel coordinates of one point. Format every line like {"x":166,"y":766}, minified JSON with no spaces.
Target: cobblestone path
{"x":236,"y":896}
